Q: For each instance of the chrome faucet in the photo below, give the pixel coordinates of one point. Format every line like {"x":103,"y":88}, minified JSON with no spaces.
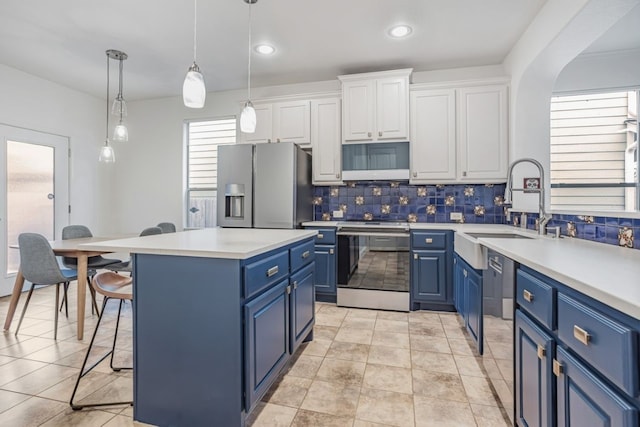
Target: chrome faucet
{"x":508,"y":192}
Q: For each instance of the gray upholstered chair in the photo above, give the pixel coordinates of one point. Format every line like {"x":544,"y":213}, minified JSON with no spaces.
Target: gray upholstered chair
{"x":167,"y":227}
{"x":111,"y":286}
{"x":125,"y":266}
{"x":78,"y":232}
{"x":39,"y":266}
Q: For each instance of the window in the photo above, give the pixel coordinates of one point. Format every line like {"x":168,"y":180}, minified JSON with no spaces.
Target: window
{"x":203,"y":138}
{"x":594,"y":152}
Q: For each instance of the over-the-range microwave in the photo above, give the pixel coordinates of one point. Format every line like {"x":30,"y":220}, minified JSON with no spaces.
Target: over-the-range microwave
{"x":375,"y":161}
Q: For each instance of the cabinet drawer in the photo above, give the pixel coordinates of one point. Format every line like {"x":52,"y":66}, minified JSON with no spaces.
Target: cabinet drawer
{"x":429,"y":240}
{"x":260,"y":274}
{"x":326,"y":236}
{"x":301,"y":255}
{"x":536,"y":298}
{"x":609,"y":346}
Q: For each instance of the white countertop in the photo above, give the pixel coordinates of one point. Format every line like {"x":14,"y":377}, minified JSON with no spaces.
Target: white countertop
{"x":229,"y":243}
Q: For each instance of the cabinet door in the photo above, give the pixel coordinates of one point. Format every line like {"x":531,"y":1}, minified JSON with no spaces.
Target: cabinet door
{"x":302,"y":305}
{"x":584,"y":400}
{"x":392,"y":108}
{"x":264,"y":125}
{"x":266,"y":340}
{"x":358,"y":110}
{"x":433,"y":135}
{"x":326,"y":272}
{"x":482,"y":133}
{"x":428,"y":276}
{"x":533,"y":379}
{"x":473,"y":297}
{"x":292,"y":122}
{"x":325,"y":141}
{"x":458,"y":286}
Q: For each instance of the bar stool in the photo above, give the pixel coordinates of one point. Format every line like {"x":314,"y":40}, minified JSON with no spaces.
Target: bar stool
{"x":112,"y":286}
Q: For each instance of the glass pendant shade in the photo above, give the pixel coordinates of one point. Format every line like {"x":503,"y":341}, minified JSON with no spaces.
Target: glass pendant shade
{"x":120,"y":133}
{"x":194,"y":92}
{"x":107,"y":154}
{"x":248,"y":118}
{"x":119,"y":107}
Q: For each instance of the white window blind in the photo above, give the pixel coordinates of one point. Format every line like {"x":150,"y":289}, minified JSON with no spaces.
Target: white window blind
{"x":203,"y":139}
{"x":590,"y":160}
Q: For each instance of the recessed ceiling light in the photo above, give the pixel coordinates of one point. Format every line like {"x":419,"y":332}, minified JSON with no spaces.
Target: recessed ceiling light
{"x":400,"y":31}
{"x":265,"y":49}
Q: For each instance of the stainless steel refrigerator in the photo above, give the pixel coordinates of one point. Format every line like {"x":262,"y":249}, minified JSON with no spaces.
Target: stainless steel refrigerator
{"x":264,"y":186}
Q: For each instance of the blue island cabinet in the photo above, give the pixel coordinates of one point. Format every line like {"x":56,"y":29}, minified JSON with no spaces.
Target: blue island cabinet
{"x":211,"y":335}
{"x":468,"y":299}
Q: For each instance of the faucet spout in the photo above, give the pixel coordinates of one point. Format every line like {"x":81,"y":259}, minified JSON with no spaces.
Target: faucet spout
{"x":508,"y":192}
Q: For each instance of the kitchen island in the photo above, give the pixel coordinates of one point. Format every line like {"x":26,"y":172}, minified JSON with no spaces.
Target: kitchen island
{"x":217,"y":315}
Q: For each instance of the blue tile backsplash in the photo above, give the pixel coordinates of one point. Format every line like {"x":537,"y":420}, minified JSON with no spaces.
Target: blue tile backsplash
{"x":478,"y":203}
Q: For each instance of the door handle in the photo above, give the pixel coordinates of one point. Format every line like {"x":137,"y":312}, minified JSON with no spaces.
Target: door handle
{"x":542,"y":352}
{"x":330,"y":251}
{"x":305,"y":254}
{"x":558,"y":369}
{"x":369,"y":134}
{"x":415,"y":256}
{"x":428,"y":240}
{"x":380,"y":133}
{"x":528,"y":296}
{"x":295,"y":284}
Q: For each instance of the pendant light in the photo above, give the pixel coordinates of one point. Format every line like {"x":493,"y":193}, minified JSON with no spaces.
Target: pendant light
{"x":248,"y":115}
{"x":194,"y":91}
{"x":119,"y":108}
{"x":106,"y":152}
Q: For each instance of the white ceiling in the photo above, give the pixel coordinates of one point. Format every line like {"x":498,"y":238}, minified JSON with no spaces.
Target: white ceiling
{"x":64,"y":40}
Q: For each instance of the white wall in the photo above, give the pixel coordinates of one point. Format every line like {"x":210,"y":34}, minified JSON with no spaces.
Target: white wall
{"x":34,"y":103}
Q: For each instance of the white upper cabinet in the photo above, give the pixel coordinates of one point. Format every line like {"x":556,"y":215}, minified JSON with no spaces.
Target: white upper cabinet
{"x":482,"y":127}
{"x":288,"y":121}
{"x":433,"y":136}
{"x":375,"y":106}
{"x":325,"y":141}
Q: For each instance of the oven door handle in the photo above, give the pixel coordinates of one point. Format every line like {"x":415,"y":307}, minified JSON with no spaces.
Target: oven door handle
{"x":495,"y":265}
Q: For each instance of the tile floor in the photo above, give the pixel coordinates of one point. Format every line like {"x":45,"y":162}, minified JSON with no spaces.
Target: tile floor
{"x":365,"y":368}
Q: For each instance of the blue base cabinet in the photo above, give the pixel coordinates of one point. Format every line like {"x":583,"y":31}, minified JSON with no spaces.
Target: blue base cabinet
{"x":576,"y":358}
{"x":431,"y":269}
{"x":468,"y":299}
{"x":302,"y":308}
{"x":326,"y":275}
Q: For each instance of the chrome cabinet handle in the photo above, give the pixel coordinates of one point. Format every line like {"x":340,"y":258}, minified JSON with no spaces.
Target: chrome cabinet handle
{"x":558,"y":369}
{"x":380,"y":133}
{"x":428,"y":240}
{"x":269,"y":140}
{"x":464,"y":173}
{"x":369,"y":134}
{"x":464,"y":273}
{"x":330,"y":251}
{"x":415,"y":256}
{"x":278,"y":140}
{"x":337,"y":175}
{"x":272,"y":271}
{"x":581,"y":335}
{"x":320,"y":236}
{"x":288,"y":290}
{"x":542,"y":352}
{"x":306,"y":254}
{"x":528,"y":296}
{"x":415,"y":174}
{"x":295,"y":284}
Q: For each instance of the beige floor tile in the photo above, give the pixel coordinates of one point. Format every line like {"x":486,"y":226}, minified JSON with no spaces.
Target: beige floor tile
{"x":324,"y":332}
{"x":478,"y":390}
{"x":389,"y":378}
{"x":385,"y":407}
{"x":70,"y":418}
{"x":361,"y":423}
{"x":32,"y":412}
{"x":89,"y":384}
{"x":6,"y":359}
{"x":121,"y":421}
{"x":325,"y":319}
{"x":393,"y":315}
{"x":317,"y":347}
{"x":308,"y":418}
{"x":9,"y":399}
{"x":362,"y":313}
{"x":433,"y":330}
{"x":490,"y":416}
{"x":442,"y":413}
{"x":425,"y":317}
{"x":358,"y":323}
{"x":332,"y":398}
{"x":452,"y":319}
{"x":501,"y":350}
{"x":18,"y":368}
{"x":305,"y":367}
{"x":386,"y":325}
{"x":504,"y":391}
{"x":470,"y":365}
{"x":490,"y":367}
{"x":455,"y":332}
{"x":438,"y":385}
{"x":57,"y":351}
{"x":28,"y":346}
{"x":432,"y":361}
{"x":118,"y":390}
{"x":270,"y":415}
{"x":390,"y":339}
{"x":357,"y":336}
{"x":41,"y":379}
{"x":428,"y":343}
{"x":463,"y":347}
{"x":289,"y":391}
{"x":348,"y":351}
{"x":389,"y":356}
{"x":341,"y":372}
{"x":334,"y":310}
{"x":506,"y":368}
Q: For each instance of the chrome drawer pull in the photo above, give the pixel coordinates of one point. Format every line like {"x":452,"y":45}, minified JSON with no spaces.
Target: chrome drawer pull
{"x":558,"y":369}
{"x":288,"y":290}
{"x":330,"y":251}
{"x":320,"y":236}
{"x":428,"y":240}
{"x":272,"y":271}
{"x":542,"y":352}
{"x":581,"y":335}
{"x":415,"y":256}
{"x":306,"y":254}
{"x":528,"y":296}
{"x":464,"y":272}
{"x":295,"y":284}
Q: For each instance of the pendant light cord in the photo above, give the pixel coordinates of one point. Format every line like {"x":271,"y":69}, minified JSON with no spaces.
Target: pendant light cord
{"x":249,"y":62}
{"x":107,"y":130}
{"x":195,"y":28}
{"x":120,"y":98}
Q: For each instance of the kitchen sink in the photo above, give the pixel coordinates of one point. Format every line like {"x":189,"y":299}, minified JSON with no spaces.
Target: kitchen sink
{"x":498,"y":235}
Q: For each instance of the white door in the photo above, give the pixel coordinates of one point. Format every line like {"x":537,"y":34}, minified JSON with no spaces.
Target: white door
{"x":34,"y":192}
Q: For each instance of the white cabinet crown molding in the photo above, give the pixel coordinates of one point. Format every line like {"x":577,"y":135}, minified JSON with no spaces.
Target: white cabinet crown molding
{"x":405,"y":72}
{"x":457,"y":84}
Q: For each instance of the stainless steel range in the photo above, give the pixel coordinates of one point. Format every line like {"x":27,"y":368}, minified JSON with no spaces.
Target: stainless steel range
{"x":376,"y":274}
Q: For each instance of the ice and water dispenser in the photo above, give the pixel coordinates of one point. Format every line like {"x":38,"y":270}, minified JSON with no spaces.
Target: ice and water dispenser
{"x":234,"y":201}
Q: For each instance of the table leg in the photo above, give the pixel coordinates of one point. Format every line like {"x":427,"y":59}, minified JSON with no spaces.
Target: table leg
{"x":82,"y":292}
{"x":15,"y":296}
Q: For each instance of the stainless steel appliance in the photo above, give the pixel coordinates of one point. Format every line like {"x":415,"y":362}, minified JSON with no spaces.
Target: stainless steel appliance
{"x":380,"y":280}
{"x":497,"y":281}
{"x":264,"y":186}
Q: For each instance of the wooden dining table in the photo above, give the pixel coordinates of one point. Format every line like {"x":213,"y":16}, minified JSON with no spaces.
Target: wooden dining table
{"x":68,"y":248}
